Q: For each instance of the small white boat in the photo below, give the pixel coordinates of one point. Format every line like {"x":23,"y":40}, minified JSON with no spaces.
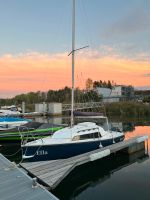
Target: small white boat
{"x":9,"y":110}
{"x":7,"y":123}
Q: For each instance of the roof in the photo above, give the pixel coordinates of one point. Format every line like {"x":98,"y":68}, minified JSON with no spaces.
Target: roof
{"x":70,"y":132}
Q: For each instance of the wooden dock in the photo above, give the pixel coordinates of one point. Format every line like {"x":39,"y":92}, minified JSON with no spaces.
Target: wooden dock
{"x":51,"y":173}
{"x":15,"y":184}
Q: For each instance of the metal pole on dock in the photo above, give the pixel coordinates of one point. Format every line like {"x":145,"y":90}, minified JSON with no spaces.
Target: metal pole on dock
{"x":23,"y":107}
{"x":147,"y":146}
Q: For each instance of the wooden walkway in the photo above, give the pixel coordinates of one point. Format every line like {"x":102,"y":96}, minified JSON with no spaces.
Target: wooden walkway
{"x":17,"y":185}
{"x":51,"y":173}
{"x":82,"y":106}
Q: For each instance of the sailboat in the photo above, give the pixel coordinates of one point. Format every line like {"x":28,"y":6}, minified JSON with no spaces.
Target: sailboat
{"x":72,"y":140}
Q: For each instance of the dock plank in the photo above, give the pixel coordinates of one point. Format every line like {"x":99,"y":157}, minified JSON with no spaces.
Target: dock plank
{"x":52,"y":167}
{"x":53,"y":181}
{"x":54,"y":173}
{"x":35,"y":165}
{"x":14,"y":179}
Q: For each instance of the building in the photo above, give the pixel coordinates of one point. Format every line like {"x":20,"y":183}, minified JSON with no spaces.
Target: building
{"x":116,"y":94}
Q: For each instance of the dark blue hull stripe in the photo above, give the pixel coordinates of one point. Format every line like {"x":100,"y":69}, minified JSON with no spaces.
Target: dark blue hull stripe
{"x":62,"y":151}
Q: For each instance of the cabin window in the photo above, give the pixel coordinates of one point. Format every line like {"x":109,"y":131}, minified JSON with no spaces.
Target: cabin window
{"x":86,"y":136}
{"x":75,"y":138}
{"x":96,"y":135}
{"x":90,"y":136}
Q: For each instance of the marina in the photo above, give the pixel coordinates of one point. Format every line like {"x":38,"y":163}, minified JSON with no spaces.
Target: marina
{"x":74,"y":110}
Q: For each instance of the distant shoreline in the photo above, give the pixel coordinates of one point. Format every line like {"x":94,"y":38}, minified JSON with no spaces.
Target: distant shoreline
{"x":128,"y":109}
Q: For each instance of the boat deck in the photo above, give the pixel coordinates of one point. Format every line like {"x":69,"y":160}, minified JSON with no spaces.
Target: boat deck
{"x":51,"y":173}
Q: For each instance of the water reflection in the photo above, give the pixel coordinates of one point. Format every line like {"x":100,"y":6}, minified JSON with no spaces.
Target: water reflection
{"x":94,"y":174}
{"x":118,"y":124}
{"x":96,"y":180}
{"x":12,"y":151}
{"x":50,"y":120}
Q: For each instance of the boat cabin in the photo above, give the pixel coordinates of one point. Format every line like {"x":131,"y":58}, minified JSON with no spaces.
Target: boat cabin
{"x":82,"y":131}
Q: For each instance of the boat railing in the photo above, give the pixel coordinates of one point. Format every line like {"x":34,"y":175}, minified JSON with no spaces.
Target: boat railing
{"x":81,"y":106}
{"x":26,"y":134}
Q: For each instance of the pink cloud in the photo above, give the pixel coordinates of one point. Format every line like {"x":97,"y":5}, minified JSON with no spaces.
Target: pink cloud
{"x":36,"y":71}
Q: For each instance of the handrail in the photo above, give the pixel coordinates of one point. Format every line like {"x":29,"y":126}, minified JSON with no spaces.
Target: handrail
{"x":80,"y":106}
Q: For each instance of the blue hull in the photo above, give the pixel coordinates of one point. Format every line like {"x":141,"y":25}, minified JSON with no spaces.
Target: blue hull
{"x":62,"y":151}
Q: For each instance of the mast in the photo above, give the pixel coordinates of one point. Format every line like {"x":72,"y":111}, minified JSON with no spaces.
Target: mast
{"x":73,"y":61}
{"x":73,"y":58}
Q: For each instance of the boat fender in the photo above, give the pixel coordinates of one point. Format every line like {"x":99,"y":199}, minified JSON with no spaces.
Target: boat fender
{"x":101,"y":154}
{"x":26,"y":157}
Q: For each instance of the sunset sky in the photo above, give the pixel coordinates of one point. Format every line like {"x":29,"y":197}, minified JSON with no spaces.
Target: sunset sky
{"x":35,"y":39}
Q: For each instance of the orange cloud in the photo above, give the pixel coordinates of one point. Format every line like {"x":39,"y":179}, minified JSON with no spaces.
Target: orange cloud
{"x":36,"y":71}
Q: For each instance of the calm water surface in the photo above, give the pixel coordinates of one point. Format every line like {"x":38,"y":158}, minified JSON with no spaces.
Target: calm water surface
{"x":116,"y":177}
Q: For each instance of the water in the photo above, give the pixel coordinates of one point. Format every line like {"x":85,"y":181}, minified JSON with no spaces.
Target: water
{"x":116,"y":177}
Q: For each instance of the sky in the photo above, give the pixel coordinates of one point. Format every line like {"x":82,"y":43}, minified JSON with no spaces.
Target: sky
{"x":35,"y":39}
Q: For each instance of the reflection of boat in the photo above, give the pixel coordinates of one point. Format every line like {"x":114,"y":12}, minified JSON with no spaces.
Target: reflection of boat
{"x":73,"y":140}
{"x":79,"y":113}
{"x":7,"y":123}
{"x":96,"y":173}
{"x":9,"y":110}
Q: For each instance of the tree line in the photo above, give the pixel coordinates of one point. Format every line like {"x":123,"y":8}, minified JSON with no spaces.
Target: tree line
{"x":60,"y":96}
{"x":90,"y":84}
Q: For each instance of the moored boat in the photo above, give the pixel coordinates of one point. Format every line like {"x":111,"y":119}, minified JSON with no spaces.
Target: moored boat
{"x":70,"y":141}
{"x":10,"y":111}
{"x":28,"y":132}
{"x":7,"y":123}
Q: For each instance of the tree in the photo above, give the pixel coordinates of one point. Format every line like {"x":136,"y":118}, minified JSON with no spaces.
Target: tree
{"x":96,"y":84}
{"x":109,"y":84}
{"x":89,"y":84}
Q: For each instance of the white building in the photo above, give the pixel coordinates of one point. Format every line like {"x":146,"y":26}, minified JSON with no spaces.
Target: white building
{"x":117,"y":93}
{"x":50,"y":108}
{"x":41,"y":107}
